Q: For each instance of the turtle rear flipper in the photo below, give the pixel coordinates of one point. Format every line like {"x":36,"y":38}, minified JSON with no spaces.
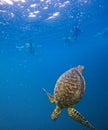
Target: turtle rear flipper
{"x":56,"y":113}
{"x":78,"y":117}
{"x":51,"y":98}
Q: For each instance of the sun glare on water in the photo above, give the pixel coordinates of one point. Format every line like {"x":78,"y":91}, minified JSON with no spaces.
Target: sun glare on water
{"x":10,"y":2}
{"x":38,"y":9}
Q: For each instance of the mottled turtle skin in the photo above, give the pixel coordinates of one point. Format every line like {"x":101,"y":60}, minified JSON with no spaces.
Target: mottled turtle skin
{"x":68,"y":91}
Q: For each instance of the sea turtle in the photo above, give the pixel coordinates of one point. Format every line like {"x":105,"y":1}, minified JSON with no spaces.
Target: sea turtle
{"x":68,"y":91}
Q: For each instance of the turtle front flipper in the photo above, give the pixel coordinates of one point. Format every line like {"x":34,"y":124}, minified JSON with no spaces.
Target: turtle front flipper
{"x":56,"y":113}
{"x":78,"y":117}
{"x":51,"y":98}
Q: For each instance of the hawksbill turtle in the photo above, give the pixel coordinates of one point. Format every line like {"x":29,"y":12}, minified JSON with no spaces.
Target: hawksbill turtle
{"x":68,"y":91}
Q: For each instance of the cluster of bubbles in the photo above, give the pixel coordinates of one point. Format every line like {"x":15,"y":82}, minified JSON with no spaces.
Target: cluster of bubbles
{"x":38,"y":9}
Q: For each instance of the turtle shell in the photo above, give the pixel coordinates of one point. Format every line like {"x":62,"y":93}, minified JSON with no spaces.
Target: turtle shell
{"x":69,"y":88}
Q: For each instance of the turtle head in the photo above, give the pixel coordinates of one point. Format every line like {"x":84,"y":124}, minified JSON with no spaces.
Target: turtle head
{"x":80,"y":68}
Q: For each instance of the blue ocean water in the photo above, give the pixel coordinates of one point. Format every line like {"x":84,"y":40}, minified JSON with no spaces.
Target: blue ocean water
{"x":37,"y":45}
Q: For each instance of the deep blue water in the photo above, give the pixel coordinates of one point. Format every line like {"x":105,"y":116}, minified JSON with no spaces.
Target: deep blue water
{"x":25,"y":69}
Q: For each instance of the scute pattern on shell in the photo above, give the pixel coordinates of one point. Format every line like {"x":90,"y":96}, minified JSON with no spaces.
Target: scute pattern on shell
{"x":69,"y":88}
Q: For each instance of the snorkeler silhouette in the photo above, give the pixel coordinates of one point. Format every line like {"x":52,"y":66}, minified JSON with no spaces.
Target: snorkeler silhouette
{"x":75,"y":32}
{"x":30,"y":47}
{"x":73,"y":35}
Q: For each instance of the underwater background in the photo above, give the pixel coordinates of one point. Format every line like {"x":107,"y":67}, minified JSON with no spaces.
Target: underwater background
{"x":37,"y":44}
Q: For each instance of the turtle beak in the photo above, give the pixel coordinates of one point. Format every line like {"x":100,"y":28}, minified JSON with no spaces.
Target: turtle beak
{"x":80,"y":68}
